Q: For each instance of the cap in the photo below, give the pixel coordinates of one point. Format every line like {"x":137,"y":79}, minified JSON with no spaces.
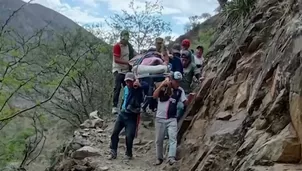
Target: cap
{"x":177,"y":76}
{"x":186,"y":42}
{"x":159,"y":40}
{"x":176,"y":48}
{"x":124,"y":34}
{"x":185,"y":54}
{"x":129,"y":77}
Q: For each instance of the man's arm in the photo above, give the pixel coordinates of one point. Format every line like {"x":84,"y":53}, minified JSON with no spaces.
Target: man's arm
{"x":158,"y":90}
{"x":117,"y":55}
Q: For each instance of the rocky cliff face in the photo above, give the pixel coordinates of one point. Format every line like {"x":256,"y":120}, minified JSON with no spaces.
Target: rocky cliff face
{"x":248,"y":112}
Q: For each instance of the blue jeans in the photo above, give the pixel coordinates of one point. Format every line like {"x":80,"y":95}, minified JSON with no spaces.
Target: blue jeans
{"x":129,"y":122}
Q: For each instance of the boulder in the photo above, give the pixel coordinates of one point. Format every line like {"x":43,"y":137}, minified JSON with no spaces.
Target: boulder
{"x":285,"y":147}
{"x":97,"y":123}
{"x":85,"y":124}
{"x":224,"y":115}
{"x":94,"y":115}
{"x":102,"y":168}
{"x":94,"y":123}
{"x":84,"y":152}
{"x":242,"y":96}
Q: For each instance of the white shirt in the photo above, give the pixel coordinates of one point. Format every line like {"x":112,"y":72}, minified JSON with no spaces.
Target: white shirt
{"x":162,"y":107}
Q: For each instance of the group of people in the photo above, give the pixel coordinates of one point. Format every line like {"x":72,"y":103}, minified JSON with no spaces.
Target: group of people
{"x":172,"y":94}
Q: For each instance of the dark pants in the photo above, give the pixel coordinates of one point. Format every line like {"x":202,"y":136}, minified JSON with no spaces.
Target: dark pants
{"x":130,"y":124}
{"x":118,"y":83}
{"x":149,"y":100}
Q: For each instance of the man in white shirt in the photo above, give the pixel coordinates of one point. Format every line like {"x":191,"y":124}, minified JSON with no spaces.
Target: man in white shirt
{"x":168,"y":94}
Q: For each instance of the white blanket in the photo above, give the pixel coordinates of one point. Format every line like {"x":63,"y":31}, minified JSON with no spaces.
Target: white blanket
{"x":145,"y":70}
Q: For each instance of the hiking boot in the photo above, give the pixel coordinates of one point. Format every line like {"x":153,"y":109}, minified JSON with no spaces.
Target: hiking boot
{"x":158,"y":162}
{"x":171,"y":161}
{"x":114,"y":110}
{"x":128,"y":157}
{"x":112,"y":156}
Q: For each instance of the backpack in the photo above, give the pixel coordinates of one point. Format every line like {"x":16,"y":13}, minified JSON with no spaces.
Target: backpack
{"x":131,"y":51}
{"x":172,"y":109}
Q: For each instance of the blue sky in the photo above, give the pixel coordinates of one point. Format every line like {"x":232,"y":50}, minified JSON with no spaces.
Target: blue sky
{"x":95,"y":11}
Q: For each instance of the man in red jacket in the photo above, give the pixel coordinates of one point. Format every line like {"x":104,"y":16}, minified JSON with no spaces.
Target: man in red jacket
{"x":122,"y":53}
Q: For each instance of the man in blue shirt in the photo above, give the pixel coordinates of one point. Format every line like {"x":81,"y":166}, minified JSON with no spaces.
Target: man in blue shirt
{"x":174,"y":60}
{"x":128,"y":117}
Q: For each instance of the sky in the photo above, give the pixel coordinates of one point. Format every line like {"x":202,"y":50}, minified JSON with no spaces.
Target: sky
{"x":96,"y":11}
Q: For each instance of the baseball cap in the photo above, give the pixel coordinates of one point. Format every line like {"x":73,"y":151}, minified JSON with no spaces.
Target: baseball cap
{"x":176,"y":48}
{"x":177,"y":76}
{"x":124,"y":35}
{"x":185,"y":54}
{"x":129,"y":77}
{"x":186,"y":42}
{"x":159,"y":40}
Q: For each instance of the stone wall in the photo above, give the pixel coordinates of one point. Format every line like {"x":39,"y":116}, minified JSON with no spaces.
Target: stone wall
{"x":248,"y":111}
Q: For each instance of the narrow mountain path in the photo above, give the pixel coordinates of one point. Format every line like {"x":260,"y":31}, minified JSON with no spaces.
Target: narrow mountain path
{"x":90,"y":149}
{"x":144,"y":151}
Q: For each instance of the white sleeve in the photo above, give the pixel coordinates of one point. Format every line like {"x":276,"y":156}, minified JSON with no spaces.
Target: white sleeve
{"x":183,"y":96}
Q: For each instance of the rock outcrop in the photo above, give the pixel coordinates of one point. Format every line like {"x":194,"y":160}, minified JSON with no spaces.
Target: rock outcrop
{"x":248,"y":112}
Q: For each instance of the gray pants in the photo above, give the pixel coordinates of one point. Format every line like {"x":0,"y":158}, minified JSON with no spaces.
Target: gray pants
{"x":161,"y":125}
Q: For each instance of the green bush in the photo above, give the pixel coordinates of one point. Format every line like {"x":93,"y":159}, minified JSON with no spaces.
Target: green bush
{"x":204,"y":39}
{"x":238,"y":9}
{"x":12,"y":147}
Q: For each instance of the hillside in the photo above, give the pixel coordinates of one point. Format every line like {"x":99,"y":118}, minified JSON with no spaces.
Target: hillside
{"x":44,"y":58}
{"x":247,"y":112}
{"x":33,"y":17}
{"x":201,"y":34}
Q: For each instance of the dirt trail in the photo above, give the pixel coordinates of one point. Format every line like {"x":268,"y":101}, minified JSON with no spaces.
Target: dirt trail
{"x":144,"y":150}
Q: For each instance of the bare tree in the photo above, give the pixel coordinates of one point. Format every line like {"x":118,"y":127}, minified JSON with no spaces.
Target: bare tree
{"x":196,"y":20}
{"x":20,"y":69}
{"x":68,"y":74}
{"x":35,"y":143}
{"x":144,"y":23}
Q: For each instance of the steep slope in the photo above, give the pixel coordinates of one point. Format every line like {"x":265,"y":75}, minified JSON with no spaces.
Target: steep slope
{"x":33,"y":17}
{"x":201,"y":34}
{"x":18,"y":132}
{"x":247,"y":114}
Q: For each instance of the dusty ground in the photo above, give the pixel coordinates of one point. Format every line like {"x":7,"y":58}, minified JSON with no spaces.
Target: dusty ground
{"x":144,"y":150}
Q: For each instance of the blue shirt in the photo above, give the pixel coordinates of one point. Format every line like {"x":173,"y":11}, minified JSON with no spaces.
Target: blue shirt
{"x":126,"y":96}
{"x":126,"y":93}
{"x":176,"y":64}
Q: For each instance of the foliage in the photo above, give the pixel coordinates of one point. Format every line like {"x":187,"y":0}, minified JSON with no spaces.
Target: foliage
{"x":67,"y":76}
{"x":144,"y":22}
{"x":222,"y":3}
{"x":196,"y":20}
{"x":204,"y":39}
{"x":236,"y":10}
{"x":13,"y":151}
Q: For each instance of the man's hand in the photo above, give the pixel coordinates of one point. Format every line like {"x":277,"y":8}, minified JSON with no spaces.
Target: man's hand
{"x":166,"y":82}
{"x":191,"y":97}
{"x":201,"y":79}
